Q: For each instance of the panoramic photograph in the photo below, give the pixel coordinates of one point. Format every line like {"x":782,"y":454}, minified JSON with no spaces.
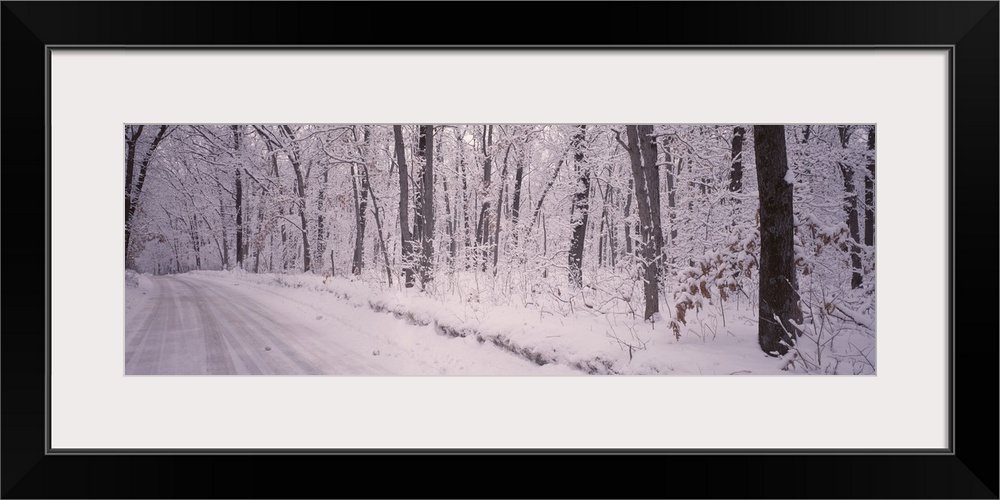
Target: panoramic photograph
{"x":499,"y":249}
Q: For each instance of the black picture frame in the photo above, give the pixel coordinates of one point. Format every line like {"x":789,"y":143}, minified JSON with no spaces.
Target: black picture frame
{"x":968,"y":469}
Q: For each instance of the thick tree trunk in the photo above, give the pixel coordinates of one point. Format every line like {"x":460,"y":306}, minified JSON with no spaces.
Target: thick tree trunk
{"x":851,"y":208}
{"x":636,"y":135}
{"x":404,"y":199}
{"x":778,"y":308}
{"x":237,"y":140}
{"x":579,"y":210}
{"x":647,"y":147}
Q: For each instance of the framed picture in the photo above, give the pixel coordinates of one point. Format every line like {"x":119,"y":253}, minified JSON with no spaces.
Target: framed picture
{"x":256,"y":70}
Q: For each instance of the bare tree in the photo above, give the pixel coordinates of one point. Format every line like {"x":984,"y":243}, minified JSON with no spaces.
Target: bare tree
{"x":778,"y":305}
{"x":237,"y":141}
{"x":642,"y":155}
{"x":404,"y":208}
{"x":851,"y":207}
{"x":359,"y":175}
{"x":134,"y":191}
{"x":426,"y":151}
{"x":483,"y":227}
{"x":580,"y":209}
{"x":870,"y":192}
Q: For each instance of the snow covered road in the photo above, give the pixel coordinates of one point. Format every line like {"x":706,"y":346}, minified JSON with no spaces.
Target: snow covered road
{"x":200,"y":325}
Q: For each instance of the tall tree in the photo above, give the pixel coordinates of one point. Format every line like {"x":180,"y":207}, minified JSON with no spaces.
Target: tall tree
{"x":870,"y":191}
{"x":237,"y":153}
{"x":778,"y":302}
{"x":426,"y":150}
{"x":850,"y":206}
{"x":134,"y":191}
{"x":647,"y":147}
{"x":642,"y":156}
{"x":404,"y":206}
{"x":483,"y":227}
{"x":294,"y":152}
{"x":361,"y":187}
{"x":580,"y":209}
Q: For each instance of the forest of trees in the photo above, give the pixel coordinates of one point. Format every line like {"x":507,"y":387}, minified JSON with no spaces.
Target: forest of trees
{"x":652,"y":221}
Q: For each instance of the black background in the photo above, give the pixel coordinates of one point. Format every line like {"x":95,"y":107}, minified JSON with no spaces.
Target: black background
{"x":972,"y":472}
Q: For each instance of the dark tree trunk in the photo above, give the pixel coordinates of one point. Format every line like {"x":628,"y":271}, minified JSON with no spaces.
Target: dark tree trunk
{"x":647,"y":146}
{"x":851,"y":208}
{"x":483,"y":227}
{"x":130,"y":142}
{"x":195,"y":241}
{"x":626,"y":213}
{"x":427,"y":209}
{"x":466,"y":226}
{"x":579,"y":210}
{"x":404,"y":198}
{"x":237,"y":140}
{"x":736,"y":173}
{"x":300,"y":187}
{"x":222,"y":228}
{"x":870,"y":192}
{"x":778,"y":308}
{"x":361,"y":205}
{"x":132,"y":193}
{"x":636,"y":136}
{"x":515,"y":210}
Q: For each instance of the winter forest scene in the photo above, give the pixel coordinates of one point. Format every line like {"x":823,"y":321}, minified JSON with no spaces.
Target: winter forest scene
{"x":499,"y":249}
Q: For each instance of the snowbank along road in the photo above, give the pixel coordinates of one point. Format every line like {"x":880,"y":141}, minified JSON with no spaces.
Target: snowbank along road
{"x":198,"y":325}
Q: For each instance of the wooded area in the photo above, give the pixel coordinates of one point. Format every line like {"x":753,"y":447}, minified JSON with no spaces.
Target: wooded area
{"x":656,"y":222}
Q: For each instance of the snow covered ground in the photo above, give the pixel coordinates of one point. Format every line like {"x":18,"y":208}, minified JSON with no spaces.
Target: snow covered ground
{"x":215,"y":324}
{"x":333,"y":325}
